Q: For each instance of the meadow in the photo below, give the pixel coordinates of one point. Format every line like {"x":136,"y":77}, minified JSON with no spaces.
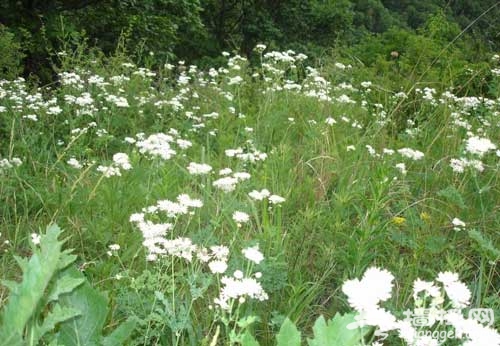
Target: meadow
{"x":271,"y":203}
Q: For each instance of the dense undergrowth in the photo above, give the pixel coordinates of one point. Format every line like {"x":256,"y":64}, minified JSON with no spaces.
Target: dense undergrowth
{"x":214,"y":205}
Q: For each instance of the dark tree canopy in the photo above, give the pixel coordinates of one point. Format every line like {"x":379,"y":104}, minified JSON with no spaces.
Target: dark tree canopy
{"x":32,"y":30}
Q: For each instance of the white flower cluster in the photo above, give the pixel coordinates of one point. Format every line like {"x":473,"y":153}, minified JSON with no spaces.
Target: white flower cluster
{"x":365,"y":296}
{"x":458,"y":224}
{"x":479,"y":146}
{"x":73,"y":162}
{"x":411,"y":153}
{"x":70,"y":78}
{"x":217,"y":258}
{"x":238,"y":287}
{"x":252,"y":156}
{"x":120,"y":161}
{"x":265,"y":193}
{"x":154,"y":233}
{"x":240,"y":217}
{"x":7,"y":164}
{"x":228,"y":183}
{"x":199,"y":168}
{"x":459,"y":165}
{"x":159,"y":144}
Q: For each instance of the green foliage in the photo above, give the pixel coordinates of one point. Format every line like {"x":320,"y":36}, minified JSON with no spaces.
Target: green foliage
{"x":485,"y":246}
{"x":336,"y":331}
{"x":155,"y":31}
{"x":55,"y":296}
{"x":346,"y":208}
{"x":288,"y":335}
{"x":452,"y":196}
{"x":41,"y":284}
{"x":87,"y":328}
{"x":12,"y":55}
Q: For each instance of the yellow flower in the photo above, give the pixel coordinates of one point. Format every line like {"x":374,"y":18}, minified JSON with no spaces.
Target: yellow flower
{"x":425,"y":216}
{"x":398,"y":220}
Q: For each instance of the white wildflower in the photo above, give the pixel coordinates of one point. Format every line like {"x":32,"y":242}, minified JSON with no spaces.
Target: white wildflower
{"x":275,"y":199}
{"x":74,"y":163}
{"x":35,"y":238}
{"x":217,"y":266}
{"x":199,"y":168}
{"x":253,"y":254}
{"x":479,"y":146}
{"x":122,"y":161}
{"x":240,"y":217}
{"x":226,"y":184}
{"x":411,"y":153}
{"x":457,"y":224}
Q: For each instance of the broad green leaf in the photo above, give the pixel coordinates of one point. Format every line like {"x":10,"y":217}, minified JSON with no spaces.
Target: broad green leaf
{"x":66,"y":283}
{"x":288,"y":335}
{"x":10,"y":338}
{"x":57,"y":315}
{"x":120,"y":334}
{"x":66,"y":259}
{"x":27,"y":294}
{"x":85,"y":329}
{"x":336,"y":333}
{"x":248,"y":340}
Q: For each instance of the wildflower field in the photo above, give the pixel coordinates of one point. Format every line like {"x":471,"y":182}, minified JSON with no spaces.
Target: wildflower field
{"x":271,"y":203}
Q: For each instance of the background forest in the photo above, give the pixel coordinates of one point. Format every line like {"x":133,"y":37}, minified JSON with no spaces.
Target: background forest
{"x":33,"y":31}
{"x":250,"y":172}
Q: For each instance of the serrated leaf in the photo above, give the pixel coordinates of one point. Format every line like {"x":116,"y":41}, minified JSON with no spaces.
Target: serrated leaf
{"x":21,"y":262}
{"x":66,"y":259}
{"x":288,"y":335}
{"x":57,"y":315}
{"x":66,"y":283}
{"x":120,"y":334}
{"x":85,"y":329}
{"x":26,"y":295}
{"x":336,"y":333}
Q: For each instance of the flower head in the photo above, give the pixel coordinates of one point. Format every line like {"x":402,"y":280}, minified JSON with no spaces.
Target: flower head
{"x":253,"y":254}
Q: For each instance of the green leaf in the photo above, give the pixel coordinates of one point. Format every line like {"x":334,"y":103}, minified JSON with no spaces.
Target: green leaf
{"x":66,"y":283}
{"x":120,"y":334}
{"x":11,"y":285}
{"x":10,"y":338}
{"x":57,"y":315}
{"x":248,"y":340}
{"x":288,"y":335}
{"x":26,"y":295}
{"x":87,"y":328}
{"x":66,"y":259}
{"x":22,"y":263}
{"x":336,"y":333}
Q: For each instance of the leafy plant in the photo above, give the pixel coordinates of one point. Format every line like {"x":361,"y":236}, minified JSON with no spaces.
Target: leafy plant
{"x":288,"y":334}
{"x":54,"y":294}
{"x":334,"y":332}
{"x":10,"y":60}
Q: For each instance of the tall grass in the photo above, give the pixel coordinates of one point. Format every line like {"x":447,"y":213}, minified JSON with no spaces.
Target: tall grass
{"x":331,"y":149}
